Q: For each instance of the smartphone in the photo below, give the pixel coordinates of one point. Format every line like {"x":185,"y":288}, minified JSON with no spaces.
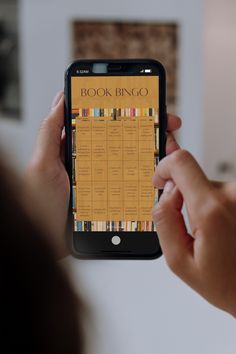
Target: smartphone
{"x":115,"y":122}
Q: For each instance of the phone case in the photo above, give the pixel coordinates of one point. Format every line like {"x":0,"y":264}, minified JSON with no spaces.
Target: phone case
{"x":98,"y":247}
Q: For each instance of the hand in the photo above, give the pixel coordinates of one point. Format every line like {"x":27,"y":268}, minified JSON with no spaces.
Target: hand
{"x":206,"y":259}
{"x":173,"y":124}
{"x":48,"y":178}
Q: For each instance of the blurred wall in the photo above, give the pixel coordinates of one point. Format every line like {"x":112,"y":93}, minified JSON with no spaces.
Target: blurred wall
{"x":139,"y":307}
{"x":46,"y":48}
{"x":220,"y":92}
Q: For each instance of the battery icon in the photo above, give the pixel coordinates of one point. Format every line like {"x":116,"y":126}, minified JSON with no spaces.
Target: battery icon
{"x":148,"y":71}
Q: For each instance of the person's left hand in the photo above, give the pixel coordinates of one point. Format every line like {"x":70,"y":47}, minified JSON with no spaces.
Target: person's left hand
{"x":49,"y":180}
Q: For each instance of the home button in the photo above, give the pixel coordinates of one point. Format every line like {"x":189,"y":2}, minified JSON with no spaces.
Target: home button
{"x":116,"y":240}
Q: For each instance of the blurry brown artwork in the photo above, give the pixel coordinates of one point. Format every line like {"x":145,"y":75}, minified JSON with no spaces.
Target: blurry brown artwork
{"x":93,"y":40}
{"x":10,"y":100}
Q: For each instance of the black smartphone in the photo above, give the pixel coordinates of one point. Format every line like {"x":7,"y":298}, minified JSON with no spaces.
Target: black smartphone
{"x":115,"y":121}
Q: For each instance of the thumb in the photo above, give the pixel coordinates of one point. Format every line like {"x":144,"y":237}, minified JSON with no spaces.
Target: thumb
{"x":48,"y":144}
{"x":176,"y":243}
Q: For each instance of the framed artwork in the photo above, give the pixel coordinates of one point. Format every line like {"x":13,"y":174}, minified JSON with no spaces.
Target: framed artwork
{"x":155,"y":40}
{"x":10,"y":104}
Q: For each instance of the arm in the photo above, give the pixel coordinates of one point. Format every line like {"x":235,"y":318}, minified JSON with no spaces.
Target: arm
{"x":206,"y":259}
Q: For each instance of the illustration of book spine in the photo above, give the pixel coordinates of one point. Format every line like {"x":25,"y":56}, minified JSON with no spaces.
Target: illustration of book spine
{"x":95,"y":228}
{"x":79,"y":226}
{"x":142,"y":226}
{"x":133,"y":226}
{"x":156,"y":117}
{"x":73,"y":170}
{"x":96,"y":112}
{"x":157,"y":139}
{"x":123,"y":226}
{"x":74,"y":141}
{"x":138,"y":226}
{"x":74,"y":198}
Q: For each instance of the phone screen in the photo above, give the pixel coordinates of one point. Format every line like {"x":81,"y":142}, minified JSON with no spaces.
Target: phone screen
{"x":115,"y":146}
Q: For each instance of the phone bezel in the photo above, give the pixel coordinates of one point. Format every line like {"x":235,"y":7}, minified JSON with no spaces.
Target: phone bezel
{"x":98,"y":245}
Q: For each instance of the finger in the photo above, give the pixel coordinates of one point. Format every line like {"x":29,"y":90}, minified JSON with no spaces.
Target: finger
{"x":173,"y":122}
{"x":184,"y":171}
{"x":176,"y":243}
{"x":56,"y":99}
{"x":171,"y":144}
{"x":229,"y":189}
{"x":48,"y":145}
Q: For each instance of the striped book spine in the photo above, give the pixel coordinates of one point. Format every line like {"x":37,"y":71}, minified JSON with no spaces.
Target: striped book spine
{"x":79,"y":225}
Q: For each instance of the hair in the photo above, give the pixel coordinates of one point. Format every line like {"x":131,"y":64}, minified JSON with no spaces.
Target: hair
{"x":40,"y":312}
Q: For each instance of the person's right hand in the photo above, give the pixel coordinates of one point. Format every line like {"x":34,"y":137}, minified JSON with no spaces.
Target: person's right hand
{"x":206,"y":259}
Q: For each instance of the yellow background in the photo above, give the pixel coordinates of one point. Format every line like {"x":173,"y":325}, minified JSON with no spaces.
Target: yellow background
{"x":112,"y":82}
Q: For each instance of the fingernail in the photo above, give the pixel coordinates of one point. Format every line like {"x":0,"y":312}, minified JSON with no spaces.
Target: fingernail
{"x":56,"y":99}
{"x":169,"y":186}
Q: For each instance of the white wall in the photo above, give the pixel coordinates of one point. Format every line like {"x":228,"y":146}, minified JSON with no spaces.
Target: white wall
{"x":45,"y":37}
{"x":220,"y":92}
{"x":140,"y":307}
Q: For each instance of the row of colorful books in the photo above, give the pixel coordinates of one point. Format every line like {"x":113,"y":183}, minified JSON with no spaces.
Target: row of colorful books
{"x":114,"y":112}
{"x":139,"y":226}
